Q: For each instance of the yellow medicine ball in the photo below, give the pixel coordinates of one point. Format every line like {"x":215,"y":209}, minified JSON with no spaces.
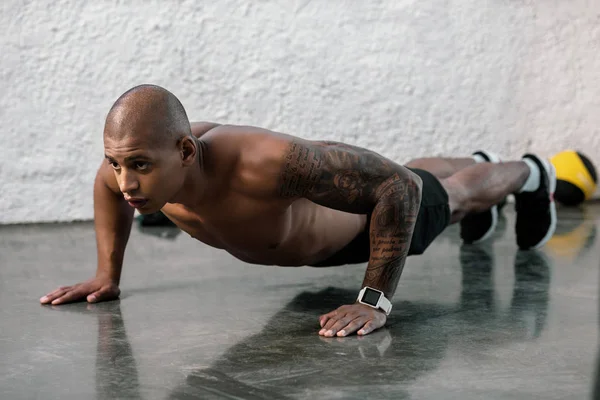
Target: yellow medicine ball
{"x":576,"y":177}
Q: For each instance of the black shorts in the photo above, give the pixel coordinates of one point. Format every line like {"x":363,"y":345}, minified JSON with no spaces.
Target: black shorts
{"x":433,"y":218}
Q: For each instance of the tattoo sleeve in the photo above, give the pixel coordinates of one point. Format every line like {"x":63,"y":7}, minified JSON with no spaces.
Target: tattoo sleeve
{"x":360,"y":181}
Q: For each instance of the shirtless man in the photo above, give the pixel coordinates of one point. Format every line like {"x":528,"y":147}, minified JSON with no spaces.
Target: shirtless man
{"x":275,"y":199}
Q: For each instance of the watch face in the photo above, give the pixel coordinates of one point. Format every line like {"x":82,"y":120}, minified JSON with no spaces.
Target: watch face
{"x":371,"y":297}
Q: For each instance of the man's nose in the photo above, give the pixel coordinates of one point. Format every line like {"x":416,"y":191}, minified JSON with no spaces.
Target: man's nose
{"x":128,"y":182}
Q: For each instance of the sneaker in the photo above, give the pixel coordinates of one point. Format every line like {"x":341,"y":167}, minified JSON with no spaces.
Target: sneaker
{"x":477,"y":227}
{"x":536,"y":211}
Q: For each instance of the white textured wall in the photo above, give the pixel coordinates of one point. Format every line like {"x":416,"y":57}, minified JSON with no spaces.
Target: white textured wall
{"x":404,"y":77}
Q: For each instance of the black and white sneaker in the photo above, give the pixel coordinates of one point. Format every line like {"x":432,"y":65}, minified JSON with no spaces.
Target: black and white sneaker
{"x":477,"y":227}
{"x":536,"y":211}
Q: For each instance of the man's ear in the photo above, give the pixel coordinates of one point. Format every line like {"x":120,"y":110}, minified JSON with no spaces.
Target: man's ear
{"x":188,"y":148}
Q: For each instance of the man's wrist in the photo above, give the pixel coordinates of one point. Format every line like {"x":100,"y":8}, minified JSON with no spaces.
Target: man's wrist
{"x":374,"y":298}
{"x":109,"y":275}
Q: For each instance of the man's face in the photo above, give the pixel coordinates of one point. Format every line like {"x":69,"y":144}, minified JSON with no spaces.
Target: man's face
{"x":149,"y":175}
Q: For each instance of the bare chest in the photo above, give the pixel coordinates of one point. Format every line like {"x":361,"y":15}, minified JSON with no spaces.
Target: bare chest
{"x":241,"y":226}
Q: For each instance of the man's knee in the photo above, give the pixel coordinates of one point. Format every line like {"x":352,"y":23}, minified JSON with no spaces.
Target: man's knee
{"x":419,"y":163}
{"x":437,"y":166}
{"x":458,"y":198}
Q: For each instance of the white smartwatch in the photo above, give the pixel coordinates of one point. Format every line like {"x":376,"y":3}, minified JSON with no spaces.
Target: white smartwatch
{"x":374,"y":298}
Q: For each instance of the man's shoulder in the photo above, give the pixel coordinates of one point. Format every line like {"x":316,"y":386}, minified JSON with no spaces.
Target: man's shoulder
{"x":253,"y":155}
{"x":246,"y":143}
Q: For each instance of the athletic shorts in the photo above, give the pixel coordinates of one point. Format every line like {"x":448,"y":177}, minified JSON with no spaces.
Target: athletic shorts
{"x":433,"y":218}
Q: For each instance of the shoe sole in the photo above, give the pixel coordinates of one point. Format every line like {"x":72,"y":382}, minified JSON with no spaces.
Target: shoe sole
{"x":492,"y":229}
{"x":552,"y":175}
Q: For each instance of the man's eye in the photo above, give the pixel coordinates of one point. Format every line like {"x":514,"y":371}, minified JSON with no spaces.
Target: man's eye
{"x":142,"y":165}
{"x":114,"y":164}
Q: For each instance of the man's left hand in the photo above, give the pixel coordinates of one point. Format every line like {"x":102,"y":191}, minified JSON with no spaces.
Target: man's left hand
{"x":351,"y":318}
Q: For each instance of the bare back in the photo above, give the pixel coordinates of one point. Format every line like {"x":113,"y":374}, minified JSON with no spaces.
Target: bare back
{"x":246,"y":216}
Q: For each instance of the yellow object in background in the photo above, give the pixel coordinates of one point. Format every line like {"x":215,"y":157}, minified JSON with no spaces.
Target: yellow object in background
{"x":575,"y":234}
{"x":576,"y":178}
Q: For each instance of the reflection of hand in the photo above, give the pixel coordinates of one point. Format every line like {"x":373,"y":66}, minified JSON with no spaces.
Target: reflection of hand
{"x":350,"y":318}
{"x":374,"y":346}
{"x":93,"y":290}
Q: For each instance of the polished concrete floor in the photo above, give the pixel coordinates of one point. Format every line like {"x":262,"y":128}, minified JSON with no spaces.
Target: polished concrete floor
{"x":469,"y":322}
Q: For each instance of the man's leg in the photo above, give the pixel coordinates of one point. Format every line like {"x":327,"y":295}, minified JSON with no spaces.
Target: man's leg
{"x":480,"y":186}
{"x":474,"y":227}
{"x":441,"y":167}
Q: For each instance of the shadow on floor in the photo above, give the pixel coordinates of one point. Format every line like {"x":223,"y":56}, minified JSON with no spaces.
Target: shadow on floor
{"x":288,"y":359}
{"x":292,"y":359}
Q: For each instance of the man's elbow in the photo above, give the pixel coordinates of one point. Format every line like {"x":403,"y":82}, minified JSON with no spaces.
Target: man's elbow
{"x":415,"y":183}
{"x":404,"y":184}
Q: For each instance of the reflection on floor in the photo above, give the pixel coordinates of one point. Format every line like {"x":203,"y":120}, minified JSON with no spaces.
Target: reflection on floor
{"x":468,"y":322}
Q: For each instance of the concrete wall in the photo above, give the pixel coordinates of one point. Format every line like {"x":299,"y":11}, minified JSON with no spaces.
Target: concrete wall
{"x":404,"y":77}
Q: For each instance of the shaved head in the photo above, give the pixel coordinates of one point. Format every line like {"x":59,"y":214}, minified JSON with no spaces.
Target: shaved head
{"x":149,"y":113}
{"x":149,"y":144}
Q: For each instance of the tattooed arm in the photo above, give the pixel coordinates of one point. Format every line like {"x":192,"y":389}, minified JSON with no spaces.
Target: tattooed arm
{"x":357,"y":180}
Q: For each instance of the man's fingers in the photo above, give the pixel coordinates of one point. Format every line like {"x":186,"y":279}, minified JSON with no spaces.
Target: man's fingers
{"x":328,"y":328}
{"x":339,"y":324}
{"x":93,"y":290}
{"x":54,"y":294}
{"x":330,"y":322}
{"x":96,"y":296}
{"x":325,"y":317}
{"x":61,"y":289}
{"x":352,"y":326}
{"x":368,"y":328}
{"x":347,"y":319}
{"x":47,"y":298}
{"x":71,"y":295}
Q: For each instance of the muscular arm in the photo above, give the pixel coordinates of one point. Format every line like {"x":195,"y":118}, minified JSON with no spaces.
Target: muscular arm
{"x":357,"y":180}
{"x":112,"y":219}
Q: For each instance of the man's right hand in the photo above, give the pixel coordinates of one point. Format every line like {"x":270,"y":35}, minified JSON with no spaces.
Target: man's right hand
{"x":94,"y":290}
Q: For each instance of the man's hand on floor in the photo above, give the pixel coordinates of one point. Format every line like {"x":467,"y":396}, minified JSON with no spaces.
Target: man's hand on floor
{"x":95,"y":290}
{"x":351,"y":318}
